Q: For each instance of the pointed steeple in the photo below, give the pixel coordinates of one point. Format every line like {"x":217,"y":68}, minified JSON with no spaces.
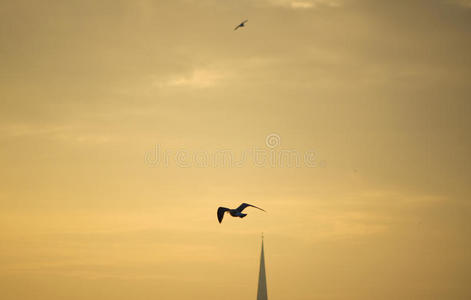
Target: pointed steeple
{"x":262,"y":279}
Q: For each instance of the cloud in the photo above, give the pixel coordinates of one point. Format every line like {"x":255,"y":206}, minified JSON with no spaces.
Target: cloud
{"x":199,"y":78}
{"x":305,"y":4}
{"x":74,"y":133}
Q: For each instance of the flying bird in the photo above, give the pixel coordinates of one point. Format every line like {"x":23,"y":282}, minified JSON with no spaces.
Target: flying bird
{"x":241,"y":25}
{"x":234,"y":212}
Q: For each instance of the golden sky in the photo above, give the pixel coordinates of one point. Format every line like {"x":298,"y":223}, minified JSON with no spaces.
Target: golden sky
{"x":372,"y":97}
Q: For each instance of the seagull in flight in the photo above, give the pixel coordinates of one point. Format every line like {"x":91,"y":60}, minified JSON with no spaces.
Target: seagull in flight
{"x":234,"y":212}
{"x":241,"y":25}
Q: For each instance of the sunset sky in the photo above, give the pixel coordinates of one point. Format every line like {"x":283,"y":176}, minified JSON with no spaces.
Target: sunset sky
{"x":113,"y":114}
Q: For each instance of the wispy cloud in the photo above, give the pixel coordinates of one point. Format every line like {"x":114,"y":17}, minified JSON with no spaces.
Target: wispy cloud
{"x":305,"y":4}
{"x":57,"y":132}
{"x":198,"y":78}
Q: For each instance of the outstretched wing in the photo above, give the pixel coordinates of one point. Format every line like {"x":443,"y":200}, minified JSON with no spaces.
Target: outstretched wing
{"x":245,"y":205}
{"x":221,"y":211}
{"x":240,"y":25}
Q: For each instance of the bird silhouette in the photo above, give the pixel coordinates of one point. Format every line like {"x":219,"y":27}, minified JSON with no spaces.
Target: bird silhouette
{"x":234,"y":212}
{"x":241,"y":25}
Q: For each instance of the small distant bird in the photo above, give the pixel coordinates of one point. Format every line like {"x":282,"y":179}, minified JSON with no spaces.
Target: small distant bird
{"x":234,"y":212}
{"x":241,"y":25}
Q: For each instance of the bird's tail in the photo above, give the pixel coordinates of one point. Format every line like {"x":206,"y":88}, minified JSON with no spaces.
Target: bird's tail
{"x":242,"y":215}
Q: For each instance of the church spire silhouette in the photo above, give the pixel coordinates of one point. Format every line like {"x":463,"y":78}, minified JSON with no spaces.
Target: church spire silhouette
{"x":262,"y":278}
